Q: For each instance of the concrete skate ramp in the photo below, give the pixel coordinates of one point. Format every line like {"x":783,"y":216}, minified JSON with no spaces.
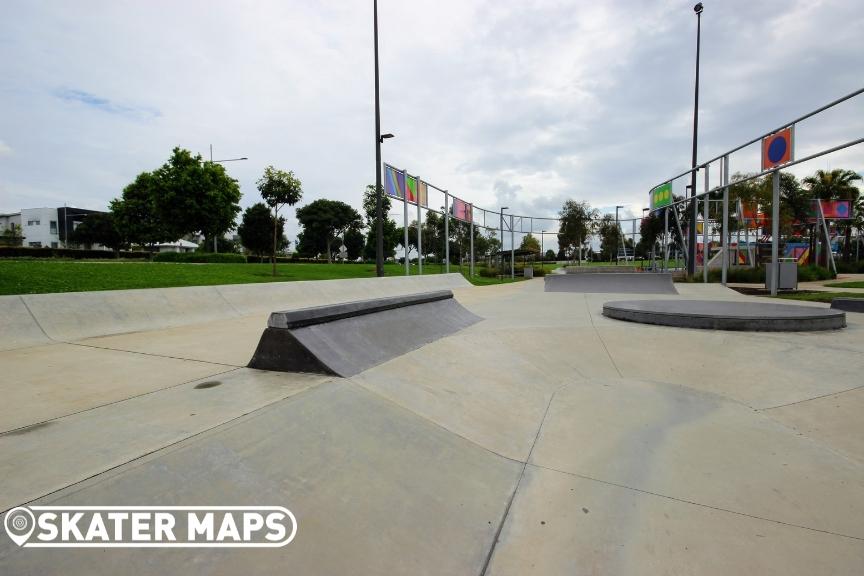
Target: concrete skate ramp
{"x":714,"y":315}
{"x":34,"y":319}
{"x":616,"y":283}
{"x":346,"y":339}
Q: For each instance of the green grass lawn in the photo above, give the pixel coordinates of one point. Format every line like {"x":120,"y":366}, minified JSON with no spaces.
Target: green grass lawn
{"x":826,"y":297}
{"x":846,"y":285}
{"x":42,"y":276}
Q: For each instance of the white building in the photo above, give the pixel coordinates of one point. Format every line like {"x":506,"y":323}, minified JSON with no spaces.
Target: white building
{"x":10,"y":222}
{"x":46,"y":227}
{"x":178,"y":246}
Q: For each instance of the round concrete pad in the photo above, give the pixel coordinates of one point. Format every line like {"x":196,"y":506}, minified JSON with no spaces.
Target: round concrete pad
{"x":720,"y":315}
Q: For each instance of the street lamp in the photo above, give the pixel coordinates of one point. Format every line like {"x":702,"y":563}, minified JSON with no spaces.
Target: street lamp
{"x":617,"y":235}
{"x":501,"y":249}
{"x":542,"y":253}
{"x":379,"y":139}
{"x":691,"y":260}
{"x":215,"y":246}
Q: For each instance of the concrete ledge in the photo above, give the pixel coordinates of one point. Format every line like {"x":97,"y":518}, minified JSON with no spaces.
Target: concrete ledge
{"x":628,"y":269}
{"x":347,"y":338}
{"x":714,"y":315}
{"x":329,"y":313}
{"x":848,"y":304}
{"x":618,"y":283}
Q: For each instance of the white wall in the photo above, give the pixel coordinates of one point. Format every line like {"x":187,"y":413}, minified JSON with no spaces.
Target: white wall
{"x":36,"y":226}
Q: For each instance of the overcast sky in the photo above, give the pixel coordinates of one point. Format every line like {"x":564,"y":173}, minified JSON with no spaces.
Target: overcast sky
{"x":501,"y":102}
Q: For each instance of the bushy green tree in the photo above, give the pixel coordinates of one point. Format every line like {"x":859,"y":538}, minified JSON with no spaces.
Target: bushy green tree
{"x":530,"y":243}
{"x":256,"y":230}
{"x":135,"y":212}
{"x":577,"y":224}
{"x":100,"y":229}
{"x":323,"y":222}
{"x":195,"y":196}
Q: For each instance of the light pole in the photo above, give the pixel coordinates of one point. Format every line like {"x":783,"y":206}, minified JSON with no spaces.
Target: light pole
{"x":501,"y":251}
{"x":215,"y":248}
{"x":542,"y":253}
{"x":617,"y":235}
{"x":691,"y":249}
{"x":379,"y":139}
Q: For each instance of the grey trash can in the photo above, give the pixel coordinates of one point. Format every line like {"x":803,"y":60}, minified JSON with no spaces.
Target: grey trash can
{"x":788,"y":275}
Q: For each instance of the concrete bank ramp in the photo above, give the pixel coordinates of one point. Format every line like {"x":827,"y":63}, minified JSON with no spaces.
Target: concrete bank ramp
{"x":34,"y":319}
{"x":614,"y":283}
{"x":346,"y":339}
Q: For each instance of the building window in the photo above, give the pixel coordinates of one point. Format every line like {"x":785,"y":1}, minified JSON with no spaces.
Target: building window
{"x":34,"y":223}
{"x":54,"y":245}
{"x":35,"y":244}
{"x":53,"y":227}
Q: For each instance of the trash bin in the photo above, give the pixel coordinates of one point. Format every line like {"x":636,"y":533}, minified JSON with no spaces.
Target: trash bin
{"x":788,"y":275}
{"x":528,"y":272}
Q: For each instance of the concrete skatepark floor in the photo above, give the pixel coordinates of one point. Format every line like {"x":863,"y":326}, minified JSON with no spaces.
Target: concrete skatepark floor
{"x":545,"y":439}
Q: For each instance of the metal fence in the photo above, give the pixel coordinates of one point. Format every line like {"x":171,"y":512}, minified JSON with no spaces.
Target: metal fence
{"x":504,"y":225}
{"x":720,"y":165}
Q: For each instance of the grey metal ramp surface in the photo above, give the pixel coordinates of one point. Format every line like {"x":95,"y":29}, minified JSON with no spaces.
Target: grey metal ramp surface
{"x":724,"y":315}
{"x":614,"y":283}
{"x":848,"y":304}
{"x":346,"y":339}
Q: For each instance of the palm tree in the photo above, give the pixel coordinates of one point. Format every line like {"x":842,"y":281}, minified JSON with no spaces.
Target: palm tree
{"x":836,"y":184}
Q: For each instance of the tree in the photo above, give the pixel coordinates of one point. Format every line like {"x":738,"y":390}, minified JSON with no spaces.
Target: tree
{"x":354,"y":242}
{"x":278,"y":188}
{"x":135,"y":213}
{"x":577,"y":224}
{"x":550,"y":255}
{"x":650,"y":229}
{"x":610,"y":236}
{"x":255,"y":229}
{"x":392,"y":238}
{"x":323,"y":221}
{"x":100,"y":229}
{"x":194,"y":196}
{"x":530,"y":243}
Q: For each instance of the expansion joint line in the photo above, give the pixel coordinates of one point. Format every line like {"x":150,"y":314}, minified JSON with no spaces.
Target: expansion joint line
{"x":599,"y":337}
{"x":700,"y":504}
{"x":497,"y":537}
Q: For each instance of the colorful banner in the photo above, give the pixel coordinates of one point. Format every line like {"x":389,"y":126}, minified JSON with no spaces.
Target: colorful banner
{"x":461,"y":210}
{"x":777,"y":148}
{"x":394,"y":182}
{"x":832,"y":209}
{"x":423,"y":193}
{"x":661,"y":196}
{"x":411,"y":189}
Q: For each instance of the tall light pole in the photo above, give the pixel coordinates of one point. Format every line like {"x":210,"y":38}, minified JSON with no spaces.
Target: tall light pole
{"x":215,"y":246}
{"x":501,"y":251}
{"x":542,"y":254}
{"x":618,"y":235}
{"x":691,"y":248}
{"x":379,"y":218}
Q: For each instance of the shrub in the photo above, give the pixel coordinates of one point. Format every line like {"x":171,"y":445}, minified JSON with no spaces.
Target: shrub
{"x":200,"y":257}
{"x":757,"y":275}
{"x":74,"y":253}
